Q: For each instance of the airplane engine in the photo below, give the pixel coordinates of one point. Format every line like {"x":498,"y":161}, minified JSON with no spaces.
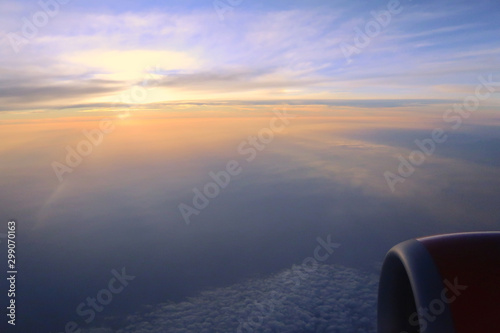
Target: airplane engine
{"x":441,"y":284}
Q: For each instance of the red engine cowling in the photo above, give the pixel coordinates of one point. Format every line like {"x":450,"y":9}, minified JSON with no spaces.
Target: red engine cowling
{"x":441,"y":284}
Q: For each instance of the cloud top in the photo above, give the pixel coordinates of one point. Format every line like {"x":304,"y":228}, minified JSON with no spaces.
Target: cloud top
{"x":325,"y":298}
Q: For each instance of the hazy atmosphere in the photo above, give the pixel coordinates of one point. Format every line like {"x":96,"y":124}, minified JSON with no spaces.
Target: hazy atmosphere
{"x":236,"y":165}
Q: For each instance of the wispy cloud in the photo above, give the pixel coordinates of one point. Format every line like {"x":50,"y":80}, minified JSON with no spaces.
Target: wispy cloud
{"x":260,"y":53}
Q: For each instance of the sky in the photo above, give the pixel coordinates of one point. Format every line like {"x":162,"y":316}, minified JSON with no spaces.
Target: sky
{"x":88,"y":54}
{"x":205,"y":151}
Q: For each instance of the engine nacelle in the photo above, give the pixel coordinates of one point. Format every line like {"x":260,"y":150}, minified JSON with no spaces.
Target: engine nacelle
{"x":441,"y":284}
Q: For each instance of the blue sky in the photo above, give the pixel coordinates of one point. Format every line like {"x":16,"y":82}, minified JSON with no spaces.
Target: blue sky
{"x":90,"y":52}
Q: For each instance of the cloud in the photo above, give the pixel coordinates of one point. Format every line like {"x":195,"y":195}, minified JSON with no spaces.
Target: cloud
{"x":301,"y":299}
{"x":243,"y":80}
{"x":272,"y":52}
{"x":52,"y":94}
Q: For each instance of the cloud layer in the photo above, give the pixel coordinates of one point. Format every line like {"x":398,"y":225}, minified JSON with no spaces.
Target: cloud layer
{"x":325,"y":298}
